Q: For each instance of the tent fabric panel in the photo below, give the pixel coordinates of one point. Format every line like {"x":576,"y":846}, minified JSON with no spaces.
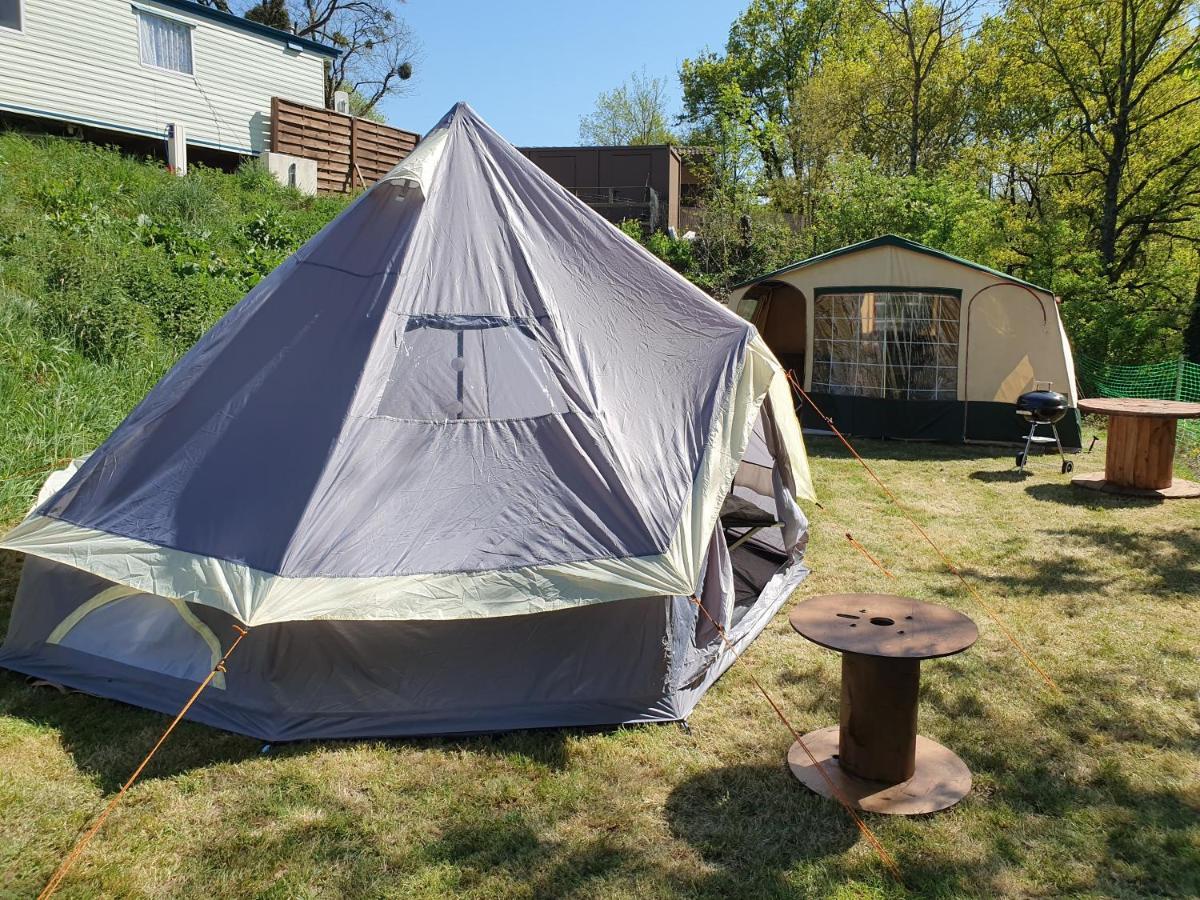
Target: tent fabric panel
{"x":930,"y":420}
{"x":148,"y":633}
{"x":891,"y":241}
{"x":997,"y":423}
{"x":249,"y":453}
{"x":257,"y":597}
{"x":773,"y":596}
{"x":877,"y":417}
{"x":595,"y":665}
{"x":787,"y":426}
{"x":1013,"y":338}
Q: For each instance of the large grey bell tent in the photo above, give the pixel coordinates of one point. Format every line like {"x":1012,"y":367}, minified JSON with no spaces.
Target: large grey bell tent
{"x":458,"y":464}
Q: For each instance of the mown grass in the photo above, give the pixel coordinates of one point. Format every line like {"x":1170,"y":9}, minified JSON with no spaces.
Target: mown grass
{"x":1094,"y":792}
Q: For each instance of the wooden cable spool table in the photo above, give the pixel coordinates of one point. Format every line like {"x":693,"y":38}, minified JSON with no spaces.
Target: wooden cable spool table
{"x":1139,"y":457}
{"x":874,"y":756}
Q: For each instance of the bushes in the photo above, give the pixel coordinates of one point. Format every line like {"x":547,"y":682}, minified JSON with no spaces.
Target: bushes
{"x":110,"y":268}
{"x":121,"y":259}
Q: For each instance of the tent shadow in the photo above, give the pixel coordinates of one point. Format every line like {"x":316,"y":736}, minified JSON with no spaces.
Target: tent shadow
{"x":549,"y":869}
{"x":107,"y":739}
{"x":993,"y":476}
{"x":1070,"y":495}
{"x":545,"y":747}
{"x":829,"y":447}
{"x":756,"y":819}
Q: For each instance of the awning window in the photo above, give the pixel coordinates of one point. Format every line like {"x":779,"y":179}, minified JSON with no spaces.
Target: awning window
{"x":897,"y":343}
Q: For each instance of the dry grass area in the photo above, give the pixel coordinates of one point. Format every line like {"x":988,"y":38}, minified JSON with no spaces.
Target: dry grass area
{"x":1095,"y":792}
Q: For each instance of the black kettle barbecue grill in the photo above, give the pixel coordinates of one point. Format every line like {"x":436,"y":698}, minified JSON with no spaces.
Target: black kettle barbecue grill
{"x":1042,"y":406}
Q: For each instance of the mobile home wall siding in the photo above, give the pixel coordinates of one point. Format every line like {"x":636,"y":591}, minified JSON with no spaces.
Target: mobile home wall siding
{"x":79,"y":62}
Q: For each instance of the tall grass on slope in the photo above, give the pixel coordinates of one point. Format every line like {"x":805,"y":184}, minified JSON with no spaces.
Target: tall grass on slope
{"x":110,"y":269}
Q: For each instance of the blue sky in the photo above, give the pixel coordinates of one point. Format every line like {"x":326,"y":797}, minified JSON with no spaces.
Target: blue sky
{"x":531,"y":69}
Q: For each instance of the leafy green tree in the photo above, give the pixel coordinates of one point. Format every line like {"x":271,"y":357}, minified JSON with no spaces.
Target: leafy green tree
{"x":1129,"y":103}
{"x":922,"y":71}
{"x":634,"y":113}
{"x":774,"y":48}
{"x":271,"y":12}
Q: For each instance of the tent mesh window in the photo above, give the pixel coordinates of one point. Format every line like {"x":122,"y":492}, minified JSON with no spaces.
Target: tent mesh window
{"x":894,"y":343}
{"x":471,"y":368}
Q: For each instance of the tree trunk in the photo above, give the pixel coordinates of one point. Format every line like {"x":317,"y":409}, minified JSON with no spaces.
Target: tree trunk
{"x":1191,"y":334}
{"x":1114,"y":172}
{"x":914,"y":131}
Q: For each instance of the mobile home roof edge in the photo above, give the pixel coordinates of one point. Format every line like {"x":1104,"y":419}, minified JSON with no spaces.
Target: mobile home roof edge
{"x":216,"y":15}
{"x":889,"y":240}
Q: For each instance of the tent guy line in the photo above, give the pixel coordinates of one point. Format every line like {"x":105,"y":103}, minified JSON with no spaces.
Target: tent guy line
{"x":992,"y":614}
{"x":876,"y":844}
{"x":70,"y":859}
{"x":867,"y":553}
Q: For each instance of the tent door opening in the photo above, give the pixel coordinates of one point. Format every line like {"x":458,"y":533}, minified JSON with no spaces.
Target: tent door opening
{"x":780,"y":313}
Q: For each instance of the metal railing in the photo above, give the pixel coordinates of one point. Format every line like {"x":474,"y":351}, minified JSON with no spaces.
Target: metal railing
{"x":620,"y":202}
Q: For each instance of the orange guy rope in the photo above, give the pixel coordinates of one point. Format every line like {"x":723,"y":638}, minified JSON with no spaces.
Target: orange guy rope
{"x":70,"y":859}
{"x":921,"y":531}
{"x":874,"y":841}
{"x":867,"y":553}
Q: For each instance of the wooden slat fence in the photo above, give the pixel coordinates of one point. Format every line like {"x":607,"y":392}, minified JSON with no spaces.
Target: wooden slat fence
{"x":351,"y":153}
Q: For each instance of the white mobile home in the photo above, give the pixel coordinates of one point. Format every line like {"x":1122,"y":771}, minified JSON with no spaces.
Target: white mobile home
{"x":135,"y":67}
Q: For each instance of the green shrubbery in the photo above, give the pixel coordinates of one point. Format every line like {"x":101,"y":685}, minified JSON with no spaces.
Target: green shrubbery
{"x":121,"y":259}
{"x":111,"y":268}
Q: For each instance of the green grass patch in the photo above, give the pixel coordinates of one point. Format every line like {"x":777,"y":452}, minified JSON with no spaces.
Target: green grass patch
{"x":110,"y":268}
{"x":1094,"y":793}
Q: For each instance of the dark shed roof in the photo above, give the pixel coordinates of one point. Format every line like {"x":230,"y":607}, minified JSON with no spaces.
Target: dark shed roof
{"x":889,"y":240}
{"x":208,"y":12}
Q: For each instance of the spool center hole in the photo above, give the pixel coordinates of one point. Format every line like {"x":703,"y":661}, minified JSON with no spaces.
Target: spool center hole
{"x":882,"y":620}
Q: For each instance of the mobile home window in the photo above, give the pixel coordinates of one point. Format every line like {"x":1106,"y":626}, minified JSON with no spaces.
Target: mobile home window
{"x":164,"y":43}
{"x":10,"y":14}
{"x":892,"y":342}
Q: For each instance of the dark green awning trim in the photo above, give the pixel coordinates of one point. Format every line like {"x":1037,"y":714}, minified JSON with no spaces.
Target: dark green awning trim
{"x":889,"y":240}
{"x":887,"y":289}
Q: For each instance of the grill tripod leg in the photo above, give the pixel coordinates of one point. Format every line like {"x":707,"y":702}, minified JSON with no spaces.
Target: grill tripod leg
{"x":1025,"y":452}
{"x":1067,"y":465}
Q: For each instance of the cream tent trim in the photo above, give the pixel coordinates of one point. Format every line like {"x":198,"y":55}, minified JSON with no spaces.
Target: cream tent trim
{"x":256,"y":597}
{"x":121,"y":592}
{"x":420,"y":165}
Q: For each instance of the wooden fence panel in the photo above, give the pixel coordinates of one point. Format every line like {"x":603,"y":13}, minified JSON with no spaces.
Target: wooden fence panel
{"x":351,"y":153}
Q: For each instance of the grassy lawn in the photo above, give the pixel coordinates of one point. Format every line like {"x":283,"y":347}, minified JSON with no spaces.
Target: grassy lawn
{"x":1095,"y":792}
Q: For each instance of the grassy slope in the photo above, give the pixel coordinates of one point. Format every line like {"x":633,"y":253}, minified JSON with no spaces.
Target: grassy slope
{"x":109,"y":269}
{"x":1094,"y":793}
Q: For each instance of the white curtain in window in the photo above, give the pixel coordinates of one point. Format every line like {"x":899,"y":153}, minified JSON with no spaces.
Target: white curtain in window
{"x":164,"y":43}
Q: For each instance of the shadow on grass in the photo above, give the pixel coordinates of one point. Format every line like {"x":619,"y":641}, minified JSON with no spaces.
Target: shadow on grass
{"x":751,"y":818}
{"x":829,"y":447}
{"x":544,"y":868}
{"x":1070,"y":495}
{"x":1165,"y":561}
{"x":1002,"y":476}
{"x":107,"y":739}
